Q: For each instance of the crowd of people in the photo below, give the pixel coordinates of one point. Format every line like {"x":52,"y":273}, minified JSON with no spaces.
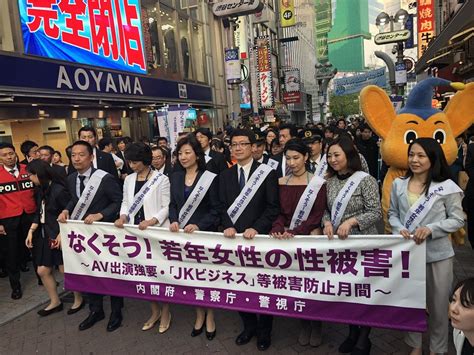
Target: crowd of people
{"x":340,"y":161}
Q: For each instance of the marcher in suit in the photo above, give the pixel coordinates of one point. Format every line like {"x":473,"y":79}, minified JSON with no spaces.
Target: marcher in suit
{"x":46,"y":154}
{"x":154,"y":210}
{"x":207,"y":214}
{"x":468,"y":202}
{"x":159,"y":160}
{"x":286,"y":133}
{"x":122,"y":143}
{"x":103,"y":161}
{"x":313,"y":138}
{"x":52,"y":196}
{"x":256,"y":218}
{"x":104,"y":206}
{"x":217,"y":162}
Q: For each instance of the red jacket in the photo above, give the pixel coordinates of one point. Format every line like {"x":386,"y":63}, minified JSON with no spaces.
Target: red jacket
{"x":16,"y":194}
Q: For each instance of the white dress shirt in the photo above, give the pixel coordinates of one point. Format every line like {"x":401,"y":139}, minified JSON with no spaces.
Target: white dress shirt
{"x":246,"y":168}
{"x":87,"y":174}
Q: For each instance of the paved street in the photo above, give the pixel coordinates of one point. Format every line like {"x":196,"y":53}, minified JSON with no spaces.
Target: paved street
{"x":24,"y":332}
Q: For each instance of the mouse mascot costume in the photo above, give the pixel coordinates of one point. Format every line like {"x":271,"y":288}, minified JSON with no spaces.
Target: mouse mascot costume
{"x":417,"y":119}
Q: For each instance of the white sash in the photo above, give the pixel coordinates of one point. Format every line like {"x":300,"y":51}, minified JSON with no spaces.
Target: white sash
{"x":306,"y":201}
{"x":422,"y":206}
{"x":88,"y":194}
{"x":343,"y":197}
{"x":272,"y":163}
{"x":248,"y":192}
{"x":195,"y":199}
{"x":139,"y":197}
{"x":322,"y":167}
{"x":207,"y":158}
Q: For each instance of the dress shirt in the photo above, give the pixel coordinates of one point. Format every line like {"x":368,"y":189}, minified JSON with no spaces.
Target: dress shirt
{"x":15,"y":170}
{"x":246,"y":169}
{"x":94,"y":163}
{"x":162,"y":169}
{"x":87,"y":174}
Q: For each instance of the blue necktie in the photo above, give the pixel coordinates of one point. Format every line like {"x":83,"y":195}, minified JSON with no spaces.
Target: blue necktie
{"x":241,"y":179}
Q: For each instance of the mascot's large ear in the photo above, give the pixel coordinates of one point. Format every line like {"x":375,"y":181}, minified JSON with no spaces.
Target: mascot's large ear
{"x":377,"y":109}
{"x":460,"y":110}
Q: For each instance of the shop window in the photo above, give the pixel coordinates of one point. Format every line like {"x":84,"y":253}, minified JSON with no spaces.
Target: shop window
{"x":185,"y":47}
{"x":198,"y":52}
{"x":168,"y":29}
{"x":151,"y":35}
{"x":6,"y":33}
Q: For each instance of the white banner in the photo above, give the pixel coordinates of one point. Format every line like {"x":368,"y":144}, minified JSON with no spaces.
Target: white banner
{"x":368,"y":280}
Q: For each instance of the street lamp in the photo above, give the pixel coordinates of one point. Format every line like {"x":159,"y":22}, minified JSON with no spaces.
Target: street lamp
{"x":324,"y":73}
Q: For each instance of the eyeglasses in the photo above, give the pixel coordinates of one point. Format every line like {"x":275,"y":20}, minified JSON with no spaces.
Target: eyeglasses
{"x":239,"y":145}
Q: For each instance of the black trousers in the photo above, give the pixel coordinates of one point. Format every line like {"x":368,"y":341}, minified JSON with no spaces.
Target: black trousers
{"x":468,"y":206}
{"x":261,"y":324}
{"x":12,"y":245}
{"x":96,"y":303}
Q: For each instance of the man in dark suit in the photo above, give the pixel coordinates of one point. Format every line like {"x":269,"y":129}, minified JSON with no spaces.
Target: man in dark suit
{"x":29,"y":150}
{"x":103,"y":161}
{"x":217,"y":162}
{"x":287,"y":132}
{"x":258,"y":152}
{"x":159,"y":160}
{"x":105,"y":207}
{"x":256,"y":218}
{"x":46,"y":153}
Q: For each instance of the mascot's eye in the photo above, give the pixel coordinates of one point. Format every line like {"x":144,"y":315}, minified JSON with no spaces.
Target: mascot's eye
{"x":410,"y":136}
{"x":440,"y":136}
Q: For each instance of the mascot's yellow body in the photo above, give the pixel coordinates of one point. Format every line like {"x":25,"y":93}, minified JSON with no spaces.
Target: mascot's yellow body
{"x":398,"y":130}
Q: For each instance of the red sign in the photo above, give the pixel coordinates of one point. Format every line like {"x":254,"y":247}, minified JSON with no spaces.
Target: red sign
{"x":426,"y":25}
{"x":292,"y":97}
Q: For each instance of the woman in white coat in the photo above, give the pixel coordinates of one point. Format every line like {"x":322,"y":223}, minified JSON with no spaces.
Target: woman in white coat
{"x":154,"y":189}
{"x":461,"y":312}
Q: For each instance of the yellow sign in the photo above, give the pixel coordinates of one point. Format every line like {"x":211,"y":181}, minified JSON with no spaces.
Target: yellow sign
{"x":287,"y":13}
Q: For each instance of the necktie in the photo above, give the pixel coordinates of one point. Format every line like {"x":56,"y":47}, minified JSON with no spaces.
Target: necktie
{"x":313,"y":167}
{"x":12,"y":171}
{"x":241,"y":179}
{"x":81,"y":183}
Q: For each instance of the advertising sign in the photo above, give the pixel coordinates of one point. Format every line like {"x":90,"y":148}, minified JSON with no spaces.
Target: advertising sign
{"x":356,"y":83}
{"x":292,"y":97}
{"x":264,"y":70}
{"x":376,"y":281}
{"x":392,"y":37}
{"x":232,"y":65}
{"x":292,"y":80}
{"x":236,"y":7}
{"x":99,"y":33}
{"x":400,"y":74}
{"x":287,"y":13}
{"x":426,"y":25}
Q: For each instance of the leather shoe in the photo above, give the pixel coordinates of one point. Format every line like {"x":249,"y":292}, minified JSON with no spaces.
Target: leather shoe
{"x":75,"y":310}
{"x":211,"y":335}
{"x":17,"y":294}
{"x":195,"y":332}
{"x":115,"y":321}
{"x":347,"y":346}
{"x":92,"y":319}
{"x":364,"y":351}
{"x":47,"y":312}
{"x":244,"y":337}
{"x":263,"y":343}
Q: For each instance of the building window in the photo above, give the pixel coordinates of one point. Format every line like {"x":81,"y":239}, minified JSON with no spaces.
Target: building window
{"x":151,"y":36}
{"x":168,"y":29}
{"x":6,"y":33}
{"x":198,"y":52}
{"x":185,"y":46}
{"x":195,"y":9}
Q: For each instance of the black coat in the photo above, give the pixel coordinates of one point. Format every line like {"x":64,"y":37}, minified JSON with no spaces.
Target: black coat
{"x":262,"y":210}
{"x":56,"y":198}
{"x":207,"y":214}
{"x":218,"y":162}
{"x":104,"y":162}
{"x":107,"y":200}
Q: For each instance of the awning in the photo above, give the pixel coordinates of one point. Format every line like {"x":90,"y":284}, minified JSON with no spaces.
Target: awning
{"x":461,"y":20}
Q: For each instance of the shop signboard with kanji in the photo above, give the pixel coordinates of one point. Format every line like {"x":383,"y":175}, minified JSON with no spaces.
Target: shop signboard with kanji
{"x":264,"y":70}
{"x":426,"y":25}
{"x":103,"y":33}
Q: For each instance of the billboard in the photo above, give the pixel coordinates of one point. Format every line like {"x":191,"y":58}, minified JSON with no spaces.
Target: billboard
{"x":103,"y":33}
{"x":426,"y":25}
{"x":355,"y":83}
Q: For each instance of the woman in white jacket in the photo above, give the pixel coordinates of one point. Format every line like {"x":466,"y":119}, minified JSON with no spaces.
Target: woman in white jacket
{"x":153,"y":189}
{"x":461,"y":312}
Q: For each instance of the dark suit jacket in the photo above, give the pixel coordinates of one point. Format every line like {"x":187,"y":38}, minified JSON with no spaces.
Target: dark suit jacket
{"x":60,"y":171}
{"x":262,"y":210}
{"x":218,"y":161}
{"x":469,"y":166}
{"x":207,"y":214}
{"x":104,"y":162}
{"x":106,"y":201}
{"x":126,"y":168}
{"x":278,"y":158}
{"x":56,"y":197}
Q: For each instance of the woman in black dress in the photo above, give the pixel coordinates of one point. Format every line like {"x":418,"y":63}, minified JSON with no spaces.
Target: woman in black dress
{"x":52,"y":197}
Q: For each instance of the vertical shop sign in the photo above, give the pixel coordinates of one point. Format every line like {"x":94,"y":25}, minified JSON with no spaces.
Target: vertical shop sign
{"x":287,"y":13}
{"x":254,"y":78}
{"x":426,"y":25}
{"x":264,"y":70}
{"x":232,"y":65}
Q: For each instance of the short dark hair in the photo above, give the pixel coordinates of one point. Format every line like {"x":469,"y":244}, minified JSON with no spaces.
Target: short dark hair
{"x":439,"y":169}
{"x":125,"y":140}
{"x":26,"y":146}
{"x":242,"y":132}
{"x":162,"y":139}
{"x":204,"y":131}
{"x":466,"y":296}
{"x":85,"y":144}
{"x":365,"y":126}
{"x":352,"y":155}
{"x":68,"y":151}
{"x":45,"y":172}
{"x":297,"y":145}
{"x":58,"y":153}
{"x":87,"y":129}
{"x":292,"y":128}
{"x":4,"y":145}
{"x":138,"y":152}
{"x":47,"y":147}
{"x":196,"y":146}
{"x":163,"y":151}
{"x":104,"y":142}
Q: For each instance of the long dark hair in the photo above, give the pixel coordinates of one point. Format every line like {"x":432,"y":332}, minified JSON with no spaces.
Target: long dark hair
{"x":46,"y":174}
{"x":467,"y":292}
{"x":196,"y":146}
{"x":352,"y":155}
{"x":439,"y":169}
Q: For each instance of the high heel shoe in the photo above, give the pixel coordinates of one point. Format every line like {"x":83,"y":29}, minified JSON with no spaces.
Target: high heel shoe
{"x":195,"y":332}
{"x":163,"y":328}
{"x":211,"y":335}
{"x":149,"y":325}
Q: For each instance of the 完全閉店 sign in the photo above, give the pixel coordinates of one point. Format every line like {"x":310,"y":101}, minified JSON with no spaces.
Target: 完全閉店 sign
{"x":368,"y":280}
